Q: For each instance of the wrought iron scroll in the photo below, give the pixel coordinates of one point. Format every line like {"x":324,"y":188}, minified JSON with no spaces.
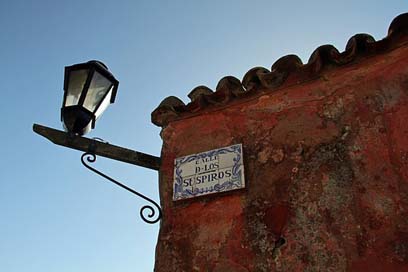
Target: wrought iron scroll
{"x":151,"y":216}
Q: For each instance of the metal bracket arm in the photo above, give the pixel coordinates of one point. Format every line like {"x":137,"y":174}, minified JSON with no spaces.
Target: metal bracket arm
{"x":91,"y":158}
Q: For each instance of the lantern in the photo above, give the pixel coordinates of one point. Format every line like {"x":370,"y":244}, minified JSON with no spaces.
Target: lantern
{"x":89,"y":88}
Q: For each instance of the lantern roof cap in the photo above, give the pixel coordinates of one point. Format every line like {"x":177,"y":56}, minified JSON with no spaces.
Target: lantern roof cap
{"x":98,"y":63}
{"x":101,"y":67}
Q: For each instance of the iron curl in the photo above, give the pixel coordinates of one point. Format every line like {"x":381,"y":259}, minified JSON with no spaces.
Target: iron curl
{"x":153,"y":215}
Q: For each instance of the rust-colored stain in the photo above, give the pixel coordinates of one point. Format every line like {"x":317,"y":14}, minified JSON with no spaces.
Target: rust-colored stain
{"x":326,"y":165}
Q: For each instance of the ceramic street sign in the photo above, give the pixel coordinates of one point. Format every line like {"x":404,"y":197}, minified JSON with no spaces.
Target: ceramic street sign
{"x":209,"y":172}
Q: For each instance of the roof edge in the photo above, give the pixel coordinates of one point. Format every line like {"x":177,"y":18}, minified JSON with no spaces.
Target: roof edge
{"x":284,"y":72}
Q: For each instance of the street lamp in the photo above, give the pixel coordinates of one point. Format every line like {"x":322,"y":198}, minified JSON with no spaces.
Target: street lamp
{"x":88,"y":90}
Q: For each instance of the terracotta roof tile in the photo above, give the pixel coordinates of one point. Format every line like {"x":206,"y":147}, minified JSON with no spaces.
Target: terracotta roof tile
{"x":286,"y":71}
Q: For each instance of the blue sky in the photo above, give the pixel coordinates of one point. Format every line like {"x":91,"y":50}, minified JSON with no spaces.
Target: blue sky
{"x":55,"y":214}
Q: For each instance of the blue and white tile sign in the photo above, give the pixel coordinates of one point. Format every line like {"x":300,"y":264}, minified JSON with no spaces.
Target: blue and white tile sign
{"x":209,"y":172}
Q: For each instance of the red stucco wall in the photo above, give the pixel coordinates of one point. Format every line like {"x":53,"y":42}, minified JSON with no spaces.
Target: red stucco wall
{"x":326,"y":168}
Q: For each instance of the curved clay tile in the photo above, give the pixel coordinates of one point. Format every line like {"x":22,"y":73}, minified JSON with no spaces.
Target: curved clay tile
{"x":227,"y":89}
{"x":286,"y":70}
{"x":251,"y":78}
{"x":399,"y":25}
{"x":323,"y":56}
{"x":199,"y":91}
{"x":230,"y":84}
{"x":287,"y":64}
{"x":167,"y":110}
{"x":280,"y":71}
{"x":359,"y":43}
{"x":199,"y":98}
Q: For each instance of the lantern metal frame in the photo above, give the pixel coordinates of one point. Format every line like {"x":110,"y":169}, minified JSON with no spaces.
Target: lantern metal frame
{"x":91,"y":67}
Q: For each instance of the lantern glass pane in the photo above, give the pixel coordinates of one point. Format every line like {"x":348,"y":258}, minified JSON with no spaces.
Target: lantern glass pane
{"x":104,"y":105}
{"x":76,"y":83}
{"x":98,"y":88}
